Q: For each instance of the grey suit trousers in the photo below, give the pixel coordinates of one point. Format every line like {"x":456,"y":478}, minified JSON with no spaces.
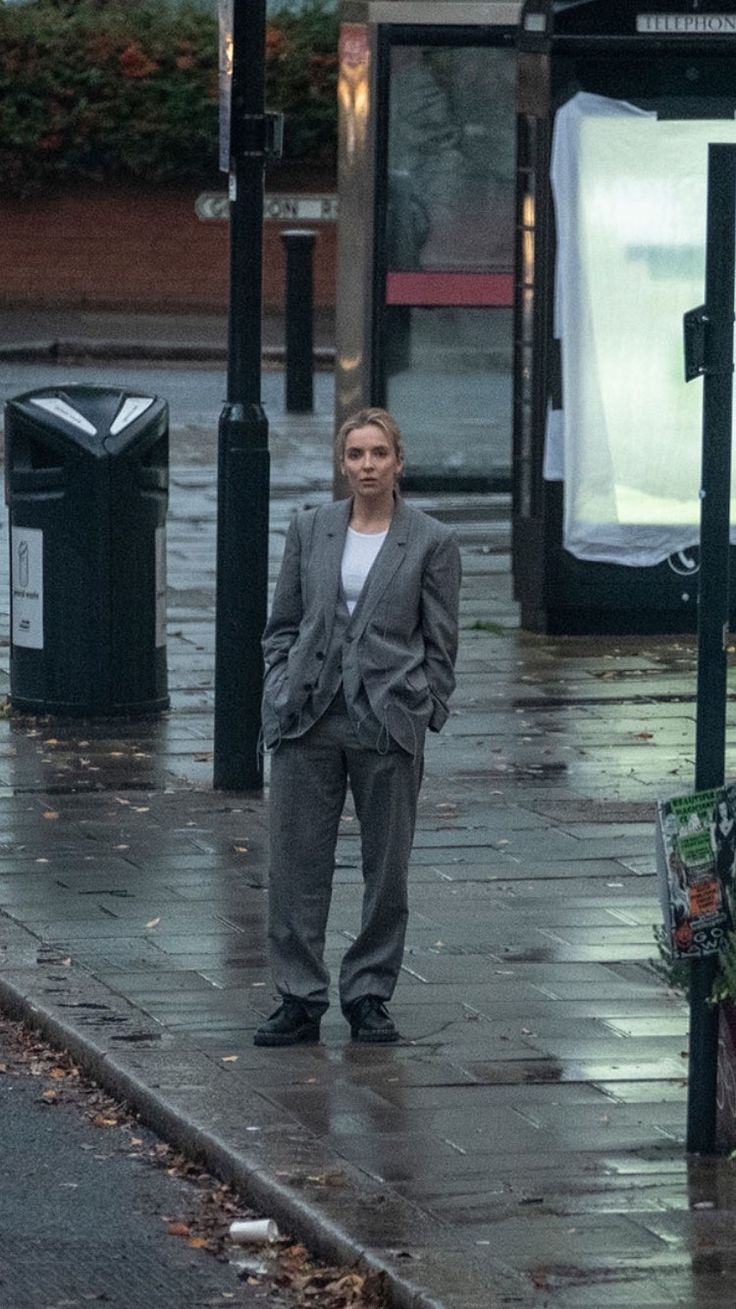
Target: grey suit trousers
{"x":309,"y":778}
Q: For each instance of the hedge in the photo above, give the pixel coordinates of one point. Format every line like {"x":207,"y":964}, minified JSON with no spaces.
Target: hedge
{"x":122,"y":89}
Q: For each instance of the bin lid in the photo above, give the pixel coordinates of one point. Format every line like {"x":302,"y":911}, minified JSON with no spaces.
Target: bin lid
{"x":98,"y":417}
{"x":670,"y":22}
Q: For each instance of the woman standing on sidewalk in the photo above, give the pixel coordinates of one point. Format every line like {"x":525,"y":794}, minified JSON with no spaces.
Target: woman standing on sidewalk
{"x":360,"y":650}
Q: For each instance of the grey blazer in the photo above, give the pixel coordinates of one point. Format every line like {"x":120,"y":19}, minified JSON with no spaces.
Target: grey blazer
{"x":398,"y":648}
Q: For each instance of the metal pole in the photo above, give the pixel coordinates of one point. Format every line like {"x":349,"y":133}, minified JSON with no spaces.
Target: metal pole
{"x":243,"y":459}
{"x":299,"y":244}
{"x":713,"y":597}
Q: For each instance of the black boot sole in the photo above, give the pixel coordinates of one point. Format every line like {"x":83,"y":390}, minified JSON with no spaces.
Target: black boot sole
{"x":307,"y":1035}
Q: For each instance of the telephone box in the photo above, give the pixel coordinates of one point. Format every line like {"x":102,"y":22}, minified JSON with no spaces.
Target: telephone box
{"x":618,"y":101}
{"x":426,"y":231}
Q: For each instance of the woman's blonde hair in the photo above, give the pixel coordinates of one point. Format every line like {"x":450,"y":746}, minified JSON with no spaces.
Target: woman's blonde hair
{"x":380,"y":418}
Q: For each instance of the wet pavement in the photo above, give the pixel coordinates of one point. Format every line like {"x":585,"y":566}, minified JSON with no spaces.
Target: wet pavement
{"x":523,"y":1144}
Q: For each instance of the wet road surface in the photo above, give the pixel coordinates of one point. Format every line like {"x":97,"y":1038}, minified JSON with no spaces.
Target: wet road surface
{"x":88,"y":1200}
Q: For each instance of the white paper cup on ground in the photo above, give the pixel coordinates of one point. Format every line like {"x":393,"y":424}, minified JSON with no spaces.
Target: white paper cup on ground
{"x":256,"y":1231}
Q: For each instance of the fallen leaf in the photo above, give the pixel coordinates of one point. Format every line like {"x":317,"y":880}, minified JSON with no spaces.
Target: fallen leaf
{"x":101,"y":1121}
{"x":230,"y":1058}
{"x":51,"y":813}
{"x":50,"y":1097}
{"x":199,"y":1243}
{"x":178,"y":1229}
{"x":57,"y":1074}
{"x":154,"y":922}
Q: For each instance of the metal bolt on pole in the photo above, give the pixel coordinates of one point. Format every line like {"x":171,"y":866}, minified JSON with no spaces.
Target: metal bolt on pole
{"x":243,"y":458}
{"x":717,"y":352}
{"x":299,"y":243}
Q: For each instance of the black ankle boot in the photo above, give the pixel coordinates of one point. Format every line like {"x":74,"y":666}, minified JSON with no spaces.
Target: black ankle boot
{"x":370,"y":1021}
{"x":291,"y":1024}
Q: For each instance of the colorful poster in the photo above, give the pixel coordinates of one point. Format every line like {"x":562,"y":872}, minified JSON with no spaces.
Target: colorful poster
{"x":696,"y":855}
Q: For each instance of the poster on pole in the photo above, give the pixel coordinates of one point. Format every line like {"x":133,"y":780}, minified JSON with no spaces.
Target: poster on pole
{"x":696,"y":859}
{"x":225,"y":17}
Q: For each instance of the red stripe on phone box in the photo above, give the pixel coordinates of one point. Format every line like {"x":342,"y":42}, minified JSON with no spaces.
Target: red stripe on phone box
{"x":459,"y":289}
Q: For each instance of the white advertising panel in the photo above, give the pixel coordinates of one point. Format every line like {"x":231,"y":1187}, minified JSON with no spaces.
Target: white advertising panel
{"x":26,"y":570}
{"x":630,"y":209}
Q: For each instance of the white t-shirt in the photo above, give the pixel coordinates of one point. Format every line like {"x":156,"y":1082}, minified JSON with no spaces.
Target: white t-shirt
{"x":360,"y":551}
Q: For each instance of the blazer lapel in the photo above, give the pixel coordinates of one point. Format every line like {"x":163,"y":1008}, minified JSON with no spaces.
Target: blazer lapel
{"x":389,"y":559}
{"x":327,"y":560}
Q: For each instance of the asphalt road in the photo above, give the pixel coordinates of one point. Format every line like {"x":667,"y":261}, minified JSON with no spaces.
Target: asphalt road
{"x":87,"y":1201}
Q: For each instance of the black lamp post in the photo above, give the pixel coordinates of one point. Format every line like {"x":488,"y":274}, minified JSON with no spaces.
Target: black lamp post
{"x":711,"y":355}
{"x":243,"y":458}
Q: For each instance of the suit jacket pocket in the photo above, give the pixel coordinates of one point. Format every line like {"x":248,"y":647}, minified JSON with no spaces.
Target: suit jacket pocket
{"x":276,"y":685}
{"x":417,"y":685}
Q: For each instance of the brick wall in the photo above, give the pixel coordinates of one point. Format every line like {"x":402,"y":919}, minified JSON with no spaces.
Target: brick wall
{"x":128,"y":248}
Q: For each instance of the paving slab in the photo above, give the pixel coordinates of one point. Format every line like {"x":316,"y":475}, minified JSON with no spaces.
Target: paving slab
{"x":524,"y":1143}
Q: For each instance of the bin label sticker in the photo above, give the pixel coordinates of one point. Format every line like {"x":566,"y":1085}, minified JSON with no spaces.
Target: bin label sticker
{"x":160,"y":586}
{"x":26,"y":548}
{"x":61,"y":409}
{"x":132,"y":408}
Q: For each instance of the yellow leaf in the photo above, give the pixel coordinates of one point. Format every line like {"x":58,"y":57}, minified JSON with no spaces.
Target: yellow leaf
{"x":199,"y":1243}
{"x":57,"y":1074}
{"x":51,"y":813}
{"x":101,"y":1121}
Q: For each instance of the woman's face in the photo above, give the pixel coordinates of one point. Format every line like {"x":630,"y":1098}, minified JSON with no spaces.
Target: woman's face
{"x":370,"y":463}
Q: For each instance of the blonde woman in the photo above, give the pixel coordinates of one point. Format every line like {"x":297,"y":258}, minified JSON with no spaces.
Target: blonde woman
{"x":360,"y":651}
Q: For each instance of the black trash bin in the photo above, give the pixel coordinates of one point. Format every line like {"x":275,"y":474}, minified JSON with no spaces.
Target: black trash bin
{"x":87,"y":475}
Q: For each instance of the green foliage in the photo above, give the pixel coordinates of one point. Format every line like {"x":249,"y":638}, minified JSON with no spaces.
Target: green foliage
{"x":674,"y":972}
{"x":105,"y":90}
{"x":724,"y":987}
{"x":487,"y":625}
{"x":301,"y":79}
